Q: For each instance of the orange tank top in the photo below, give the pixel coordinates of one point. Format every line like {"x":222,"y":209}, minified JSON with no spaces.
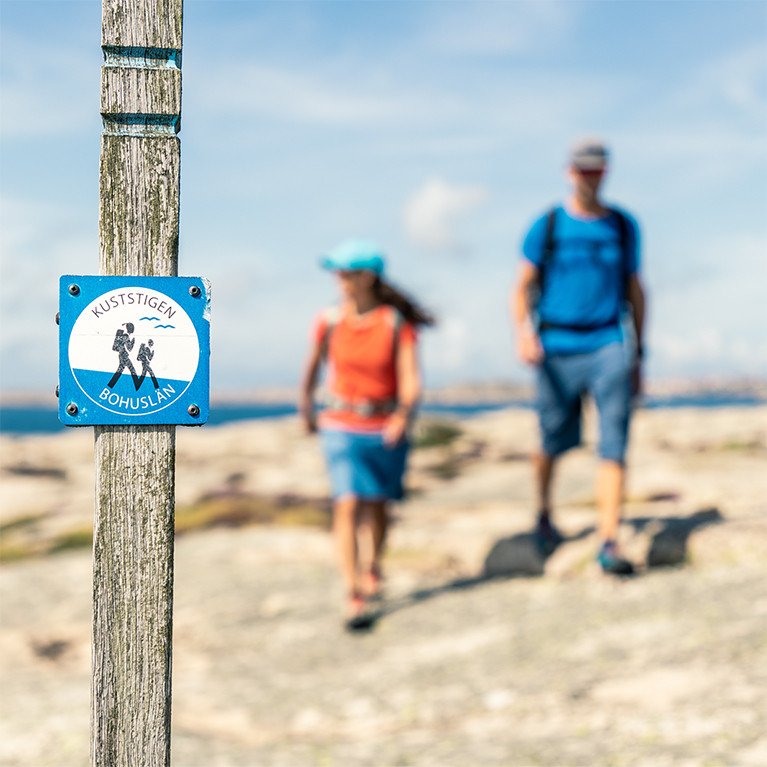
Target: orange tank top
{"x":362,"y":371}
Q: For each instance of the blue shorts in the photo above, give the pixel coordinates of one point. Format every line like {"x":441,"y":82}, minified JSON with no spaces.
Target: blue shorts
{"x":361,"y":465}
{"x":562,"y":379}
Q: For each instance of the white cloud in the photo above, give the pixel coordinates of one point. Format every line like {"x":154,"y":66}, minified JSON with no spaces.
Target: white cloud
{"x":738,"y":80}
{"x":303,"y":97}
{"x":431,"y":213}
{"x":497,"y":28}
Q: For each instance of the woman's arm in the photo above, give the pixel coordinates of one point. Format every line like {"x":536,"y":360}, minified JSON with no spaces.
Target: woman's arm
{"x":408,"y":393}
{"x":308,"y":385}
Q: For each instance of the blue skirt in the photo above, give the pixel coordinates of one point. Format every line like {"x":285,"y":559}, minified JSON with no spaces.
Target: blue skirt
{"x":361,"y":465}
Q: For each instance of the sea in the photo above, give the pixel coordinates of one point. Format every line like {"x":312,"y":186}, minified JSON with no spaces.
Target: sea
{"x":20,"y":420}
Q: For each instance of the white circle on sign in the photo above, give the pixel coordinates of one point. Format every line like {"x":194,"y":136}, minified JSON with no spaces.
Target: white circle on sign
{"x":133,"y":351}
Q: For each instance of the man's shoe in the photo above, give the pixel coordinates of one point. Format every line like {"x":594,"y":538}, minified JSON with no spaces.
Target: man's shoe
{"x":612,"y":562}
{"x":546,"y":536}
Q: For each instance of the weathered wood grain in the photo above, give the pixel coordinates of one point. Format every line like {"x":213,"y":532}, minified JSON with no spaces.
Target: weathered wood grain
{"x":142,"y":23}
{"x":139,"y":205}
{"x":133,"y":596}
{"x":134,"y":516}
{"x":140,"y":91}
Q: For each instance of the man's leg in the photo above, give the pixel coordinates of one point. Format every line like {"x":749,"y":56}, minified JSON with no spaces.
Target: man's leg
{"x":546,"y":536}
{"x":610,"y":483}
{"x":610,"y":386}
{"x":559,"y":410}
{"x":543,"y":466}
{"x":609,"y":490}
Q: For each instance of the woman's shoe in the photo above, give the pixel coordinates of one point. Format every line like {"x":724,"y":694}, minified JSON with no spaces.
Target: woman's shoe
{"x":373,"y":583}
{"x":357,"y":615}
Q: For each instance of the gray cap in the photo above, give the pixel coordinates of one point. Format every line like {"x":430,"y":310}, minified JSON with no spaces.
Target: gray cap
{"x":589,"y":154}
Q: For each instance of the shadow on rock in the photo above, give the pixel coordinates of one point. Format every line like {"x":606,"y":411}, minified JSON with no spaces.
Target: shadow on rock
{"x":519,"y":556}
{"x":516,"y":557}
{"x":669,"y":535}
{"x":410,"y":600}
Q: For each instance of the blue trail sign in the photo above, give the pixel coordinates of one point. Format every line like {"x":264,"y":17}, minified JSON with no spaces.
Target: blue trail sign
{"x":134,"y":350}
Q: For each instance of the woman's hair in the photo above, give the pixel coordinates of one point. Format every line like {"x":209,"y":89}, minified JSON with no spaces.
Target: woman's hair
{"x":406,"y":306}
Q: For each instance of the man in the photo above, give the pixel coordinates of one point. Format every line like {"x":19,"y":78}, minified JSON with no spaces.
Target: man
{"x":577,"y":280}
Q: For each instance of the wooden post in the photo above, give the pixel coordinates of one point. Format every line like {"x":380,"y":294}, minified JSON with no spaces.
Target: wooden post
{"x":135,"y":465}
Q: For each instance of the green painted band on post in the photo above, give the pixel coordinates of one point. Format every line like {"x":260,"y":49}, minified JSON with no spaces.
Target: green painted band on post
{"x":134,"y":57}
{"x":140,"y":124}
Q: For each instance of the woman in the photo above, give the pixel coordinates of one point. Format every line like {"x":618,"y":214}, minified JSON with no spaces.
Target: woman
{"x":373,"y":385}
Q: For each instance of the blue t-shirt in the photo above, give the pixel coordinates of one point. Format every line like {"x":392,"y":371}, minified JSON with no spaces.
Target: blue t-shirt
{"x":583,"y":280}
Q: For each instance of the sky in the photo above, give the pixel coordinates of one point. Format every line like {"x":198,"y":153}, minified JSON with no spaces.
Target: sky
{"x":438,"y":129}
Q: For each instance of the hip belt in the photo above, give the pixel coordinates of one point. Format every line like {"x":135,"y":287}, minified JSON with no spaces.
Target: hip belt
{"x":614,"y":322}
{"x":366,"y":408}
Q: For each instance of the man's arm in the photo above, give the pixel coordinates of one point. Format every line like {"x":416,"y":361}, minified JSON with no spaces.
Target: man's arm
{"x":635,"y":297}
{"x":529,"y":347}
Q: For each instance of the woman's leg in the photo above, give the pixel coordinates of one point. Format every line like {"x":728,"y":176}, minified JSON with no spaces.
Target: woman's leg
{"x":376,"y":522}
{"x":380,"y":526}
{"x":345,"y":514}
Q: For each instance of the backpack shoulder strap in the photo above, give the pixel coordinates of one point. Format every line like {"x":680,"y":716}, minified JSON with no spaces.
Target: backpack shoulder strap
{"x":623,"y":237}
{"x":547,"y":252}
{"x":623,"y":228}
{"x":396,"y":320}
{"x":548,"y":242}
{"x":332,"y":316}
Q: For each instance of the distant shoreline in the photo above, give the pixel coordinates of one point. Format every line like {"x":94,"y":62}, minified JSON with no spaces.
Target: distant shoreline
{"x":490,"y":393}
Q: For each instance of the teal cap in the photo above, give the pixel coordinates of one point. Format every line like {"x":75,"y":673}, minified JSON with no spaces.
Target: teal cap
{"x":354,"y":254}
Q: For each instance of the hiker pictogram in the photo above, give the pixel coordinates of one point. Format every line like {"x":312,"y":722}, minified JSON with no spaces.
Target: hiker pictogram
{"x":145,"y":354}
{"x":123,"y":345}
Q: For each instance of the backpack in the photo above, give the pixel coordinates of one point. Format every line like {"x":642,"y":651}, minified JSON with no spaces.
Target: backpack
{"x":548,"y":250}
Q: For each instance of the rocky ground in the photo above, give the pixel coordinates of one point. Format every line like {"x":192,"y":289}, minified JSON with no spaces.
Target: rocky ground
{"x":466,"y":664}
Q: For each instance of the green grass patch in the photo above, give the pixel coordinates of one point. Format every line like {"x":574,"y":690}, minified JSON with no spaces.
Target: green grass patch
{"x":448,"y":469}
{"x":21,"y":522}
{"x":20,"y":541}
{"x":736,"y":446}
{"x":73,"y":539}
{"x":15,"y":552}
{"x":241,"y":509}
{"x":17,"y":546}
{"x":435,"y":433}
